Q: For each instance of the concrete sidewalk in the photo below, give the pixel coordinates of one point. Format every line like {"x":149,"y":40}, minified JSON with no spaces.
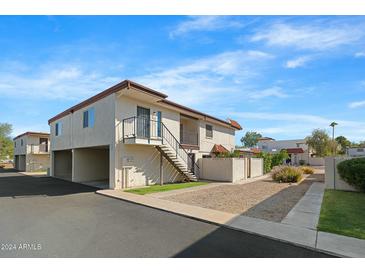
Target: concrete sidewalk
{"x":306,"y":212}
{"x":294,"y":231}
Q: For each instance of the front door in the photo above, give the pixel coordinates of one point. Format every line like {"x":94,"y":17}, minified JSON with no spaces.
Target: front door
{"x":143,"y":122}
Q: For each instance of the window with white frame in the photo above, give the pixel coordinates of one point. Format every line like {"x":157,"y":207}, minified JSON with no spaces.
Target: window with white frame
{"x":88,"y":118}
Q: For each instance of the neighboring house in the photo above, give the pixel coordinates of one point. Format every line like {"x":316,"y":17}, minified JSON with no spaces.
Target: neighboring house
{"x":31,"y":151}
{"x":356,"y":151}
{"x":297,"y":149}
{"x":130,"y":135}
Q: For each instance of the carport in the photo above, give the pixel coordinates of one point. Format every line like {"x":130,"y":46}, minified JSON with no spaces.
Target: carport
{"x":20,"y":162}
{"x":62,"y":164}
{"x":91,"y":166}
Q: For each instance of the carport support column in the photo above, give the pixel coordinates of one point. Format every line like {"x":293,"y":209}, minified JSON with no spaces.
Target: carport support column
{"x":51,"y":167}
{"x":114,"y":177}
{"x":73,"y":166}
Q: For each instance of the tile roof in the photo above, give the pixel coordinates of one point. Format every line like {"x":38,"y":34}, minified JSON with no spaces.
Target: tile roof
{"x":219,"y":149}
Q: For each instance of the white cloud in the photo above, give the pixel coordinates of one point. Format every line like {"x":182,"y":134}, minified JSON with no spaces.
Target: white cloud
{"x":357,"y":104}
{"x":205,"y":23}
{"x":316,"y":36}
{"x":360,"y":54}
{"x":268,"y":93}
{"x":293,"y":125}
{"x":298,"y":62}
{"x":200,"y":79}
{"x":53,"y":81}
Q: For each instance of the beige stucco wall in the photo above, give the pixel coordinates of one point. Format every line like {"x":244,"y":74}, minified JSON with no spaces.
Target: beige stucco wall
{"x":141,"y":162}
{"x":20,"y":149}
{"x":257,"y":167}
{"x":332,"y":178}
{"x":316,"y":161}
{"x":90,"y":164}
{"x":37,"y":162}
{"x":75,"y":136}
{"x":221,"y":135}
{"x":63,"y":168}
{"x":222,"y":169}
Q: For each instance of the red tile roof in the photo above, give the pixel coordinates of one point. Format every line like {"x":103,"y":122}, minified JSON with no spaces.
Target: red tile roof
{"x":219,"y":149}
{"x":294,"y":150}
{"x":235,"y":124}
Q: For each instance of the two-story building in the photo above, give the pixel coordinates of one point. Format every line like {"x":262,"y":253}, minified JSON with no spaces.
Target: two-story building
{"x":130,"y":135}
{"x":297,"y":149}
{"x":31,"y":151}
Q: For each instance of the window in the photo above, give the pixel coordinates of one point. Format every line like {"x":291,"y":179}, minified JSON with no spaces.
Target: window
{"x":21,"y":142}
{"x":58,"y":129}
{"x":209,"y":131}
{"x":88,"y":118}
{"x":360,"y":150}
{"x":15,"y":144}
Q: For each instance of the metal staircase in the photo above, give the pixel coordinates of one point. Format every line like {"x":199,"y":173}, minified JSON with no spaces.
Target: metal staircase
{"x":156,"y":133}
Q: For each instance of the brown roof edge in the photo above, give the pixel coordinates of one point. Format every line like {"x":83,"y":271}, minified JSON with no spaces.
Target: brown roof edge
{"x":201,"y":113}
{"x":105,"y":93}
{"x":31,"y":133}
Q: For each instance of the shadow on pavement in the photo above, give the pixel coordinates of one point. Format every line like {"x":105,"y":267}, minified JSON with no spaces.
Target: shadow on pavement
{"x":228,"y":243}
{"x":13,"y":184}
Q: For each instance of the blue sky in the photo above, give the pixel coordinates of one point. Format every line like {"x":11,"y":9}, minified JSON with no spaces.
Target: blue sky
{"x":281,"y":76}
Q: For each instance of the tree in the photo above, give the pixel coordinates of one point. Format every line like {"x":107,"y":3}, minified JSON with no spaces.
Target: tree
{"x":320,"y":142}
{"x":279,"y":158}
{"x":343,"y":142}
{"x":6,"y":143}
{"x":250,"y":139}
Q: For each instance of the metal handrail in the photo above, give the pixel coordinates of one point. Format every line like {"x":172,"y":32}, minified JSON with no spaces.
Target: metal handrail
{"x":130,"y":130}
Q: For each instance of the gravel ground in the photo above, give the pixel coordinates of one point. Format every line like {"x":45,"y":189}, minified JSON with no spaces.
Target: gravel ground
{"x":264,"y":199}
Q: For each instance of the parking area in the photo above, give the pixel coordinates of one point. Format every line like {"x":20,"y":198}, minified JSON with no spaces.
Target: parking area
{"x":56,"y":218}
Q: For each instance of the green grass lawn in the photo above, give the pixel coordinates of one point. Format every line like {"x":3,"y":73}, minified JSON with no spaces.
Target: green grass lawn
{"x":343,"y":213}
{"x":166,"y":187}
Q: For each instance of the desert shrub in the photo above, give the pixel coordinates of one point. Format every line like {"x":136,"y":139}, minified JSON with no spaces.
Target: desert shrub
{"x":267,"y":159}
{"x":307,"y":169}
{"x":353,"y":172}
{"x":287,"y":174}
{"x":301,"y":162}
{"x":278,"y":158}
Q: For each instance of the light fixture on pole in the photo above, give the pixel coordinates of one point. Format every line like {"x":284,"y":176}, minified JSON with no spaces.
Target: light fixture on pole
{"x":333,"y":124}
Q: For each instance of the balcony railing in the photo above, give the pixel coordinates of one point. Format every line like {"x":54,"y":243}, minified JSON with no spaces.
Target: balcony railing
{"x":39,"y":149}
{"x":140,"y":127}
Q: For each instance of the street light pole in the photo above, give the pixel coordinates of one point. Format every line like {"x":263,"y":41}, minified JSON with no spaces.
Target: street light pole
{"x":333,"y":124}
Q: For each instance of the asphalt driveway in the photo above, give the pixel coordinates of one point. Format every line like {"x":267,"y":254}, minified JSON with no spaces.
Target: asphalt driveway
{"x":47,"y":217}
